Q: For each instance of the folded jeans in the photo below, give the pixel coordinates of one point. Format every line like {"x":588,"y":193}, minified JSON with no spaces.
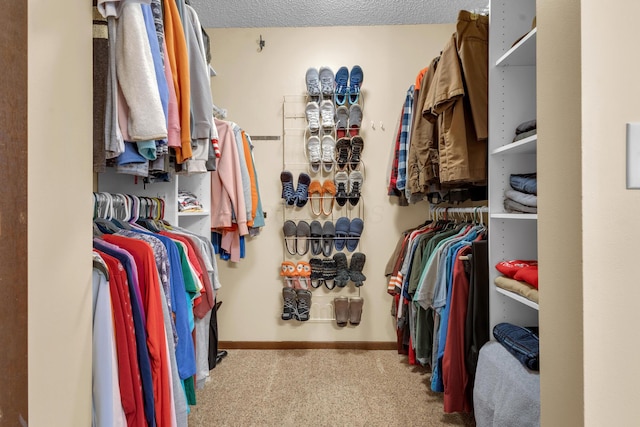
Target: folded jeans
{"x":522,"y":343}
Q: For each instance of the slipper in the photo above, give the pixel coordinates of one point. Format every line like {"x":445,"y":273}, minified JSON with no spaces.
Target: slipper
{"x":355,"y":187}
{"x":316,"y":237}
{"x":357,"y":145}
{"x":343,"y":147}
{"x":329,"y":272}
{"x":356,"y":78}
{"x":342,"y":85}
{"x":342,"y":232}
{"x":316,"y":276}
{"x":313,"y":150}
{"x":327,"y":81}
{"x":355,"y":231}
{"x":355,"y":119}
{"x":342,"y":121}
{"x":288,"y":193}
{"x":288,"y":271}
{"x":315,"y":197}
{"x":289,"y":231}
{"x":303,"y":270}
{"x":312,"y":111}
{"x":302,"y":190}
{"x":328,"y":234}
{"x":303,"y":232}
{"x":329,"y":193}
{"x":312,"y":79}
{"x":328,"y":152}
{"x":341,"y":181}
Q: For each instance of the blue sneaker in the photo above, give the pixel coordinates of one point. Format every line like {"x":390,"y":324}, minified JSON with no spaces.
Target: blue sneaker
{"x":354,"y":85}
{"x":342,"y":85}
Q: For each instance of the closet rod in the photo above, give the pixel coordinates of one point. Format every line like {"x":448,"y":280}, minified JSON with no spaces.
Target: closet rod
{"x":477,"y":209}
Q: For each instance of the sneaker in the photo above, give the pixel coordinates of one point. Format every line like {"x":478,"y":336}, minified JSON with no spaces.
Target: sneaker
{"x":303,"y":300}
{"x":355,"y":119}
{"x":355,"y":187}
{"x":357,"y":145}
{"x":342,"y":121}
{"x":314,"y":153}
{"x":288,"y":193}
{"x":312,"y":112}
{"x":328,"y":152}
{"x":313,"y":82}
{"x":302,"y":190}
{"x":327,"y":112}
{"x":327,"y":82}
{"x":341,"y":180}
{"x":343,"y":147}
{"x":342,"y":85}
{"x":289,"y":303}
{"x":356,"y":77}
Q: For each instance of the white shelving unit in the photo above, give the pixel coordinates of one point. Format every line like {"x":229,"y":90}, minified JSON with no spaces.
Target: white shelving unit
{"x":512,"y":100}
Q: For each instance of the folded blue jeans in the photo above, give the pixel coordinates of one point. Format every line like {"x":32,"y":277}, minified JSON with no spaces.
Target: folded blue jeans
{"x":527,"y":183}
{"x":523,"y":344}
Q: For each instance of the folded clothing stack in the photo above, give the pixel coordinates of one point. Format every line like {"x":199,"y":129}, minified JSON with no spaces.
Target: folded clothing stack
{"x":525,"y":130}
{"x":522,"y":197}
{"x":188,"y":202}
{"x":521,"y":342}
{"x":520,"y":277}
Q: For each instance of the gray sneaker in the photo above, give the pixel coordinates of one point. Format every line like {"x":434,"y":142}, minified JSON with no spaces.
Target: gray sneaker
{"x":303,"y":304}
{"x":289,"y":303}
{"x":327,"y":82}
{"x":313,"y":82}
{"x":312,"y":111}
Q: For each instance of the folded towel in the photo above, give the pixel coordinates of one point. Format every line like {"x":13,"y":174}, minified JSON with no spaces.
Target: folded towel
{"x":513,"y":206}
{"x":522,"y":198}
{"x":526,"y":126}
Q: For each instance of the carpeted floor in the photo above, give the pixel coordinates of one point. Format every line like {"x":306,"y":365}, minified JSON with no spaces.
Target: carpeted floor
{"x":320,"y":388}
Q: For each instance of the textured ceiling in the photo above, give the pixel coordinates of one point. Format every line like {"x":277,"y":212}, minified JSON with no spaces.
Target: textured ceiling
{"x":318,"y":13}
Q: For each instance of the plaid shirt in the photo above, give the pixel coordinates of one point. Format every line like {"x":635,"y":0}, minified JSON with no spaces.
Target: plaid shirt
{"x":405,"y":136}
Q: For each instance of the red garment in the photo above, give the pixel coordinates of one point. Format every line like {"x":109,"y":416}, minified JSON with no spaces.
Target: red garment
{"x":156,"y":338}
{"x":525,"y":271}
{"x":528,"y":275}
{"x":126,"y":348}
{"x":454,"y":371}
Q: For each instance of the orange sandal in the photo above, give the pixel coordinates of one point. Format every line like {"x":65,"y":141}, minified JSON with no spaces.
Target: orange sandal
{"x":315,"y":197}
{"x":329,"y":194}
{"x":303,"y":270}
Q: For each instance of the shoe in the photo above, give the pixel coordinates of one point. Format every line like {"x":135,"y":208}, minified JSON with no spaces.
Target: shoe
{"x":355,"y":187}
{"x":329,"y":272}
{"x":303,"y":270}
{"x":341,"y":180}
{"x":355,"y":119}
{"x":355,"y":310}
{"x":316,"y":237}
{"x":327,"y":82}
{"x":314,"y":153}
{"x":328,"y":234}
{"x":357,"y":145}
{"x":220,"y":355}
{"x":303,"y":234}
{"x":355,"y":231}
{"x":288,"y":193}
{"x":289,"y":230}
{"x":342,"y":85}
{"x":312,"y":111}
{"x":313,"y":82}
{"x":342,"y":232}
{"x":316,"y":277}
{"x":342,"y":270}
{"x":341,"y":310}
{"x":302,"y":190}
{"x":328,"y":153}
{"x":315,"y":197}
{"x":343,"y":147}
{"x":342,"y":121}
{"x":327,"y":114}
{"x":329,"y":194}
{"x":289,"y":303}
{"x":355,"y":269}
{"x":303,"y":300}
{"x":356,"y":77}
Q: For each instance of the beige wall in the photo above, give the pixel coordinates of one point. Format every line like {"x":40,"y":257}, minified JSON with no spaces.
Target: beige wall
{"x":59,"y":214}
{"x":251,"y":85}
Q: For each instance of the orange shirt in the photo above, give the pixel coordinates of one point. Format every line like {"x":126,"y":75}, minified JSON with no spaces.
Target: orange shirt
{"x":252,"y":178}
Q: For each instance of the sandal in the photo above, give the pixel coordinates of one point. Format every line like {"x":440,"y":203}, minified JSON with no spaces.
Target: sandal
{"x":341,"y":179}
{"x":315,"y":196}
{"x":329,"y":193}
{"x":288,"y":271}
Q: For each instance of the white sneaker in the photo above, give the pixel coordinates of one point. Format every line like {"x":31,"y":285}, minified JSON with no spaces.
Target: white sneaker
{"x":312,"y":79}
{"x":327,"y":81}
{"x":313,"y":148}
{"x":313,"y":116}
{"x":328,"y":152}
{"x":327,"y":111}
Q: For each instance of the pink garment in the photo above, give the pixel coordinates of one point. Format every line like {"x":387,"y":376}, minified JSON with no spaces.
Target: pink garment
{"x":173,"y":125}
{"x":227,"y":195}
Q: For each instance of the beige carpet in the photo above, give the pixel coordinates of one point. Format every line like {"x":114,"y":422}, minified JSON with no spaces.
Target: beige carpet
{"x":320,"y":388}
